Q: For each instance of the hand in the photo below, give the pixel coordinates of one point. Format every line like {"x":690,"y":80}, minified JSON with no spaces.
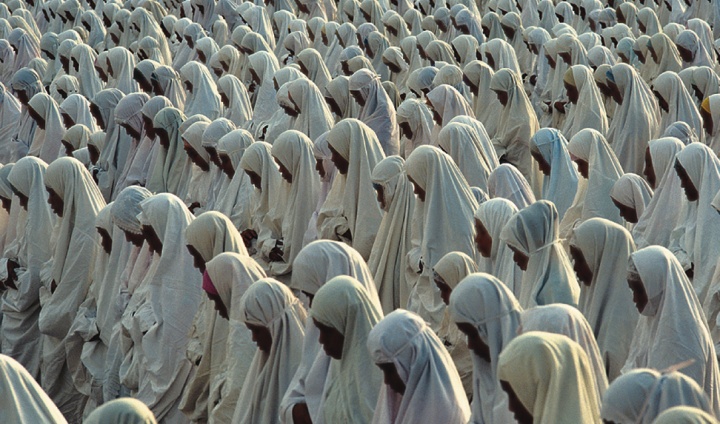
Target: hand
{"x":421,"y":266}
{"x":300,"y":414}
{"x":248,"y":236}
{"x":12,"y":267}
{"x":533,"y":79}
{"x":193,"y":206}
{"x":53,"y":286}
{"x":347,"y":235}
{"x":690,"y":272}
{"x":276,"y":255}
{"x":560,"y":107}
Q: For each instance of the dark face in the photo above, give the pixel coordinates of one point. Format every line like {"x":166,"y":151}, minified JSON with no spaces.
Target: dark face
{"x":157,"y":89}
{"x":686,"y":183}
{"x":685,"y":54}
{"x":65,"y":62}
{"x":22,"y":96}
{"x":56,"y":202}
{"x":149,"y":128}
{"x":224,"y":99}
{"x":198,"y":260}
{"x":331,"y":340}
{"x":286,"y":174}
{"x":227,"y":166}
{"x":626,"y":212}
{"x":6,"y":203}
{"x":219,"y":305}
{"x":94,"y":154}
{"x":604,"y":89}
{"x":188,"y":86}
{"x":163,"y":137}
{"x":380,"y":195}
{"x":319,"y":167}
{"x":290,"y":111}
{"x":95,"y":112}
{"x":649,"y":170}
{"x":405,"y":129}
{"x":332,"y":104}
{"x":195,"y":157}
{"x":653,"y":54}
{"x":212,"y":151}
{"x":580,"y":266}
{"x":105,"y":240}
{"x":509,"y":32}
{"x":419,"y":191}
{"x":67,"y":120}
{"x":708,"y":123}
{"x":502,"y":97}
{"x":261,"y":336}
{"x":445,"y":289}
{"x":640,"y":297}
{"x":551,"y":61}
{"x":22,"y":198}
{"x":132,"y":132}
{"x":75,"y":64}
{"x":583,"y":167}
{"x":39,"y":120}
{"x":153,"y":241}
{"x":542,"y":163}
{"x":340,"y":162}
{"x":392,"y":378}
{"x":572,"y":93}
{"x":137,"y":240}
{"x":615,"y":92}
{"x":483,"y":239}
{"x":640,"y":55}
{"x":68,"y":148}
{"x":520,"y":258}
{"x":255,"y":179}
{"x":475,"y":343}
{"x":522,"y":415}
{"x":143,"y":83}
{"x":101,"y":73}
{"x":661,"y":101}
{"x":358,"y":97}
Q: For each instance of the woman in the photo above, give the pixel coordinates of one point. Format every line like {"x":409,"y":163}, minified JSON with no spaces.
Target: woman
{"x":416,"y":125}
{"x":548,"y":379}
{"x":293,"y":152}
{"x":445,"y":209}
{"x":642,"y":394}
{"x":417,"y":368}
{"x":344,"y":313}
{"x":50,"y":130}
{"x":676,"y":103}
{"x":203,"y":97}
{"x":532,"y":235}
{"x":76,"y":200}
{"x":490,"y":219}
{"x":599,"y":249}
{"x":489,"y":315}
{"x":126,"y":410}
{"x":463,"y":144}
{"x":236,"y":201}
{"x":355,"y":152}
{"x":227,"y":278}
{"x":376,"y":109}
{"x":631,"y":195}
{"x":388,"y":259}
{"x":276,"y":318}
{"x":518,"y":123}
{"x":313,"y":114}
{"x":588,"y":108}
{"x":171,"y":170}
{"x":21,"y":303}
{"x":672,"y":328}
{"x":560,"y":178}
{"x":318,"y":263}
{"x":507,"y":182}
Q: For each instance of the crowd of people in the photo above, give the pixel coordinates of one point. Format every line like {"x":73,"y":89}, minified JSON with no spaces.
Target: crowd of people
{"x":360,"y":211}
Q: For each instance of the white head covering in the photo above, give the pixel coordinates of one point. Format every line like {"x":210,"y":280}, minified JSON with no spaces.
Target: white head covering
{"x":423,"y":364}
{"x":24,"y":400}
{"x":568,"y":321}
{"x":486,"y":303}
{"x":681,"y":106}
{"x":493,"y":215}
{"x":461,"y":142}
{"x":672,"y":328}
{"x":418,"y":117}
{"x":589,"y":112}
{"x":552,"y":378}
{"x":388,"y":258}
{"x":46,"y":142}
{"x":172,"y":166}
{"x":633,"y":191}
{"x":447,"y":220}
{"x":448,"y":103}
{"x":122,"y":411}
{"x":378,"y":113}
{"x":236,"y":201}
{"x":314,"y":118}
{"x":344,"y":305}
{"x":655,"y":228}
{"x":603,"y":170}
{"x":604,"y":301}
{"x":549,"y":277}
{"x":507,"y":182}
{"x":560,"y":186}
{"x":270,"y":304}
{"x":635,"y":121}
{"x":204,"y":98}
{"x":239,"y":110}
{"x":703,"y":168}
{"x":357,"y":144}
{"x":685,"y":415}
{"x":122,"y":63}
{"x":642,"y":394}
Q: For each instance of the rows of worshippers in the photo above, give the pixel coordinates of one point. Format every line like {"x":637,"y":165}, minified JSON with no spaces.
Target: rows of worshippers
{"x":319,"y":211}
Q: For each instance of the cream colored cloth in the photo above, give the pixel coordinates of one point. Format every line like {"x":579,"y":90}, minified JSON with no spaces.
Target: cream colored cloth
{"x":122,"y":411}
{"x":604,"y":301}
{"x":672,"y":328}
{"x":24,"y":401}
{"x":351,"y":389}
{"x":493,"y":215}
{"x":549,"y":278}
{"x":560,"y":187}
{"x":270,"y":304}
{"x":552,"y":378}
{"x":485,"y":302}
{"x":684,"y":415}
{"x":424,"y":366}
